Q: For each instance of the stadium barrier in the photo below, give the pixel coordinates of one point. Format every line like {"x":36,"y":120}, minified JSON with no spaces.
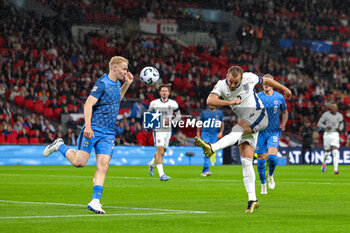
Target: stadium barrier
{"x":122,"y":155}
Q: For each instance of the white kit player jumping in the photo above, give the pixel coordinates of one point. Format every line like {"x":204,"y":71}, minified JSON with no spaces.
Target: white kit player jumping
{"x":332,"y":122}
{"x":237,"y":91}
{"x":166,"y":107}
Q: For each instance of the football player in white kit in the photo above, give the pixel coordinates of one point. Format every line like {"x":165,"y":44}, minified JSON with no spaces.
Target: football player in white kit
{"x":166,"y":107}
{"x":237,"y":91}
{"x":332,"y":122}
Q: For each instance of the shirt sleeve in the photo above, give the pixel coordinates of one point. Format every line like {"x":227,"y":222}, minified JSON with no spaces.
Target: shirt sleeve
{"x":217,"y":89}
{"x":322,"y":122}
{"x":252,"y":78}
{"x":221,"y":116}
{"x":98,"y":89}
{"x":283,"y":104}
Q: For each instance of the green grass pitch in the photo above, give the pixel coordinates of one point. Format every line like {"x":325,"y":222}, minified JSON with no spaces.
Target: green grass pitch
{"x":54,"y":198}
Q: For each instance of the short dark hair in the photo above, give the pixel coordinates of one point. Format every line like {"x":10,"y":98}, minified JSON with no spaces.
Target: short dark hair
{"x":167,"y":85}
{"x":235,"y":71}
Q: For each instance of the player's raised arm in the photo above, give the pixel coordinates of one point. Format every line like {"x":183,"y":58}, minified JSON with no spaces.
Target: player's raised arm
{"x":129,"y":78}
{"x":215,"y":101}
{"x":274,"y":84}
{"x":91,"y":101}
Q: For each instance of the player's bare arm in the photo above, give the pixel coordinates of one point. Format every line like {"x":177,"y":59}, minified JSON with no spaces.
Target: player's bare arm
{"x":129,"y":78}
{"x":215,"y":101}
{"x":91,"y":101}
{"x":284,"y":120}
{"x":272,"y":83}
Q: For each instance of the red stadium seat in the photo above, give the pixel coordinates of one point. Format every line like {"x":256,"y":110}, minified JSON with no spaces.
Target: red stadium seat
{"x":29,"y":104}
{"x":19,"y":100}
{"x":39,"y":106}
{"x":32,"y":132}
{"x":11,"y":139}
{"x":34,"y":141}
{"x":2,"y":139}
{"x":58,"y":112}
{"x":49,"y":112}
{"x":23,"y":141}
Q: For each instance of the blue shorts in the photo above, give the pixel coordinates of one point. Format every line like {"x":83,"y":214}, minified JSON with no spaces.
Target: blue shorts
{"x":103,"y":143}
{"x":267,"y":140}
{"x":209,"y":137}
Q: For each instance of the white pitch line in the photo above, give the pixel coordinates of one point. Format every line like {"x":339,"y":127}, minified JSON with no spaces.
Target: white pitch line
{"x":92,"y":215}
{"x":110,"y":207}
{"x":195,"y":180}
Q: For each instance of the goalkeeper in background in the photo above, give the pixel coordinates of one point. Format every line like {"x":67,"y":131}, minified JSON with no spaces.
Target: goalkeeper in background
{"x":267,"y":146}
{"x":210,"y":134}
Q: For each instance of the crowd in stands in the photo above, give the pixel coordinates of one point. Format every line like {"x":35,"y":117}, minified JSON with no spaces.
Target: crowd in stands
{"x":48,"y":76}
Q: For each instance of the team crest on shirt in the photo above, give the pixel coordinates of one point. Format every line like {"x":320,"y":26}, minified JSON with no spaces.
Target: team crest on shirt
{"x":246,"y":87}
{"x":275,"y":102}
{"x":86,"y":144}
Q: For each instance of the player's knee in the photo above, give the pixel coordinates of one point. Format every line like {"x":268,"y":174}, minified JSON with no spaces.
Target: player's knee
{"x":79,"y":164}
{"x":261,"y":163}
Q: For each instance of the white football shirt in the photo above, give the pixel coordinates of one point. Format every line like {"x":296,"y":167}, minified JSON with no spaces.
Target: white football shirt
{"x":328,"y":119}
{"x":245,"y":91}
{"x":167,"y":110}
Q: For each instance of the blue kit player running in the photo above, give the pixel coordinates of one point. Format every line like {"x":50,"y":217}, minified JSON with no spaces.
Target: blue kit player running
{"x":268,"y":139}
{"x":100,"y":112}
{"x":210,"y":133}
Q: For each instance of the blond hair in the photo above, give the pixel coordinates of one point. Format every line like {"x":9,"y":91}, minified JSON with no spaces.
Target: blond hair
{"x":117,"y":60}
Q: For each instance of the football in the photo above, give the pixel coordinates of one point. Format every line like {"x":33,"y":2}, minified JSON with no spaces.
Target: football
{"x":149,"y":75}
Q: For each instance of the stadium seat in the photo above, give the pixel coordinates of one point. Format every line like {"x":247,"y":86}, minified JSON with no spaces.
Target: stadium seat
{"x":23,"y":141}
{"x":29,"y":104}
{"x":39,"y":106}
{"x":2,"y":139}
{"x":34,"y":141}
{"x":58,"y":112}
{"x":49,"y":112}
{"x":19,"y":100}
{"x":11,"y":139}
{"x":32,"y":132}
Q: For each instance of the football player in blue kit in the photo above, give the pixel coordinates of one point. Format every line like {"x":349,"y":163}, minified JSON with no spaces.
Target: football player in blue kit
{"x":268,"y":139}
{"x":100,"y":113}
{"x":209,"y":133}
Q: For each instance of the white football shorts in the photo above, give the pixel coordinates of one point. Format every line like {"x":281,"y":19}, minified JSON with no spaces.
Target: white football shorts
{"x":162,"y":138}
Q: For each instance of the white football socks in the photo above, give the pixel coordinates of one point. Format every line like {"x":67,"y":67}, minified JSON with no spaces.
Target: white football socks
{"x":160,"y":169}
{"x":249,"y":178}
{"x":153,"y":162}
{"x":229,"y":139}
{"x":335,"y":159}
{"x":325,"y":156}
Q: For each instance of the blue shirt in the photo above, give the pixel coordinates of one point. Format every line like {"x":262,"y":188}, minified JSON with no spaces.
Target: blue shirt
{"x":217,"y":115}
{"x":273,"y":104}
{"x":106,"y":109}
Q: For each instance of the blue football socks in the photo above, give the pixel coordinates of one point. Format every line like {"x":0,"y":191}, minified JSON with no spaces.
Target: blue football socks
{"x":206,"y":164}
{"x":262,"y":170}
{"x":63,"y":149}
{"x":97,"y":192}
{"x":272,"y":164}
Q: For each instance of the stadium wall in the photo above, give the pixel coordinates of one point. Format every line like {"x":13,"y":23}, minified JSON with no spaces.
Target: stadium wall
{"x":123,"y":155}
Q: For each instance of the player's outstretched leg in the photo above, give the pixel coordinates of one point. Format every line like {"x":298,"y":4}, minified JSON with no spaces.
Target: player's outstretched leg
{"x":205,"y":146}
{"x":262,"y":173}
{"x":53,"y":147}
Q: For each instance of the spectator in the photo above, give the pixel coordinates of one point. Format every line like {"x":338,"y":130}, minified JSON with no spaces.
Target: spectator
{"x":71,"y":137}
{"x":24,"y":134}
{"x":129,"y":137}
{"x":306,"y":139}
{"x":71,"y":123}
